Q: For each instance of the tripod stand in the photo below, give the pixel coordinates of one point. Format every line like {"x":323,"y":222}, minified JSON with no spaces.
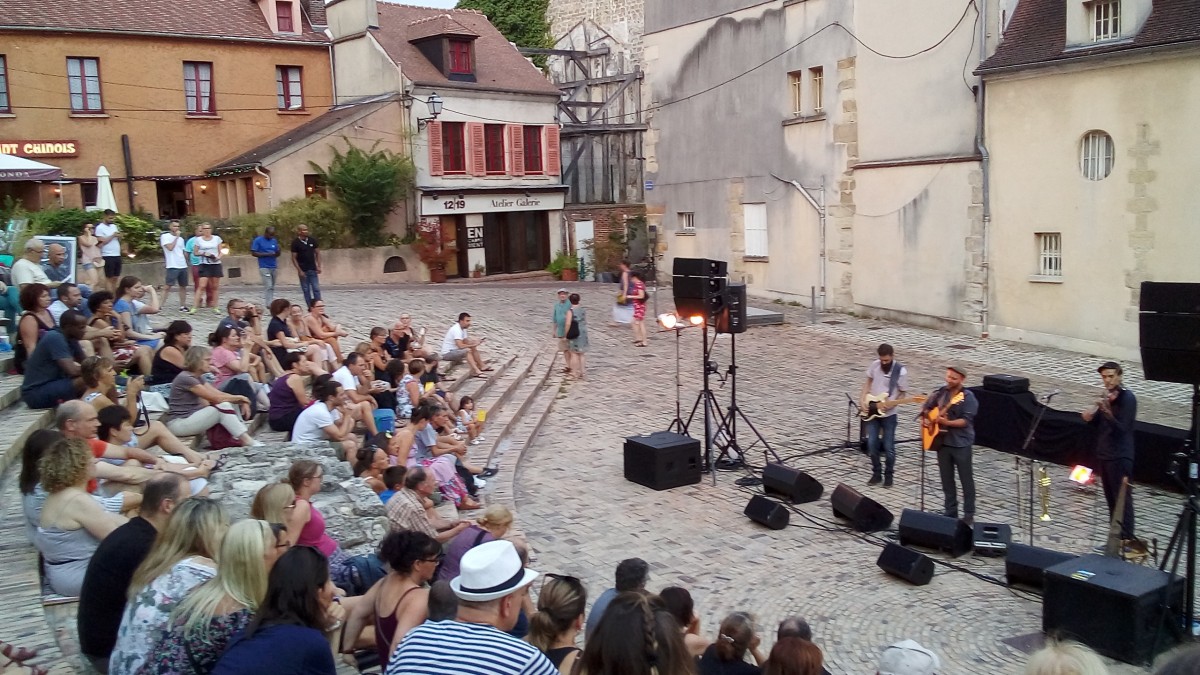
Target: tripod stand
{"x":1185,"y":525}
{"x":711,"y":407}
{"x":1037,"y":419}
{"x":677,"y":424}
{"x":726,"y":434}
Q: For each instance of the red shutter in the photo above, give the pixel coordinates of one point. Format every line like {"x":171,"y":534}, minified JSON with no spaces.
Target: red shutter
{"x":478,"y":148}
{"x":436,"y":165}
{"x":516,"y":137}
{"x":553,"y":163}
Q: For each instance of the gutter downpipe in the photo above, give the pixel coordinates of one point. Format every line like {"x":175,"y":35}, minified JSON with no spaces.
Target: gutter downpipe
{"x":985,"y":174}
{"x":818,"y":206}
{"x":270,"y":191}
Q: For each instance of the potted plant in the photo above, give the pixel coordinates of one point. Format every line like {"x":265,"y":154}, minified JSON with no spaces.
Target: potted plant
{"x":478,"y":271}
{"x":564,"y":267}
{"x":432,"y":251}
{"x":607,"y":254}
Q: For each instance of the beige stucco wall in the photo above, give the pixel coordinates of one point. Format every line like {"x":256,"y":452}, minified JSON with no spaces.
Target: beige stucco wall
{"x":1137,"y":224}
{"x":362,"y":68}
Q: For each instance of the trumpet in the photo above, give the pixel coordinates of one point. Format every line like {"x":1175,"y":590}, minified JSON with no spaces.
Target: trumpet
{"x":1044,"y":489}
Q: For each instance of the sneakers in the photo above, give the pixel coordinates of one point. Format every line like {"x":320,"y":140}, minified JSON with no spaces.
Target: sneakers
{"x":480,"y":483}
{"x":480,"y":437}
{"x":489,"y":472}
{"x":887,"y":482}
{"x":875,"y":479}
{"x":183,"y":308}
{"x":216,"y":311}
{"x":192,"y":311}
{"x":255,"y":443}
{"x":476,"y":441}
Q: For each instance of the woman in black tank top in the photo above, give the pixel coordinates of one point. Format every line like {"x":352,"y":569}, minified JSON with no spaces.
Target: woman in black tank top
{"x":559,"y":619}
{"x":176,"y":341}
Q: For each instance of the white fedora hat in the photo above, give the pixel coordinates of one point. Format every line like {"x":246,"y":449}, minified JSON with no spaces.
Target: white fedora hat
{"x":489,"y":571}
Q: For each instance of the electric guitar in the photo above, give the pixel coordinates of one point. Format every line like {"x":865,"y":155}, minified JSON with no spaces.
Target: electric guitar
{"x":930,"y":430}
{"x":875,"y":406}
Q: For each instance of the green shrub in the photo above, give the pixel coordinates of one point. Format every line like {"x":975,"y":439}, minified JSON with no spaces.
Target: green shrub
{"x":61,"y":222}
{"x":327,"y":220}
{"x":370,"y":183}
{"x":139,"y":236}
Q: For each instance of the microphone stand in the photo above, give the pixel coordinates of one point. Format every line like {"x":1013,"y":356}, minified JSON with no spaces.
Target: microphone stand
{"x":1037,"y":419}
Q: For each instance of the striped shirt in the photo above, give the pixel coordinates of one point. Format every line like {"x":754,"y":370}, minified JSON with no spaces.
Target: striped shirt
{"x":457,"y":648}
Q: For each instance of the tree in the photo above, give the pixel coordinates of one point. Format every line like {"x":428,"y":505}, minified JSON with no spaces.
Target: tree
{"x":369,"y":183}
{"x":523,"y":22}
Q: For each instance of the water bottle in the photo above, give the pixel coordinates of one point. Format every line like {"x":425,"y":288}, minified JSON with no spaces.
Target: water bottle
{"x":5,"y":345}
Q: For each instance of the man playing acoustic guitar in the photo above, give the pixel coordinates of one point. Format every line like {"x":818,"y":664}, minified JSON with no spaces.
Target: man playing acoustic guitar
{"x":948,"y":421}
{"x":889,"y":378}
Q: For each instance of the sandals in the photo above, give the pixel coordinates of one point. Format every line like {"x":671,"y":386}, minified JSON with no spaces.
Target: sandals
{"x":480,"y":375}
{"x":489,"y":472}
{"x":18,"y":656}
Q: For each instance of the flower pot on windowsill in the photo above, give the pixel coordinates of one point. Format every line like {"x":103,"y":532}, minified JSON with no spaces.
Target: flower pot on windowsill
{"x":570,"y":274}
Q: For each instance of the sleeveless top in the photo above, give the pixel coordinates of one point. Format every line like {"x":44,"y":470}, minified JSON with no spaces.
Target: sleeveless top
{"x":385,"y":629}
{"x":21,"y":353}
{"x":557,"y":655}
{"x":283,"y":399}
{"x":66,"y":554}
{"x":313,"y":533}
{"x":89,"y":254}
{"x":162,"y":371}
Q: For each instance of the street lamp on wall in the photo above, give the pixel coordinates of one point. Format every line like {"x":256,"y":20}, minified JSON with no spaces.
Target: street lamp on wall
{"x":434,"y":102}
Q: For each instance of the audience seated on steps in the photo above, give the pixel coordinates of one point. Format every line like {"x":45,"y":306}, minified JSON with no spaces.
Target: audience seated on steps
{"x":168,"y":360}
{"x":631,"y":575}
{"x":52,"y":372}
{"x":408,"y":508}
{"x":314,"y":346}
{"x":556,"y":624}
{"x":33,"y":495}
{"x":282,"y":338}
{"x":69,"y":297}
{"x":246,"y":318}
{"x":357,"y":392}
{"x":119,"y":347}
{"x":235,"y":374}
{"x":417,"y":445}
{"x":459,"y":346}
{"x":794,"y":627}
{"x":371,"y":461}
{"x":72,"y":524}
{"x":322,"y":328}
{"x":393,"y":480}
{"x":106,"y":583}
{"x":328,"y":420}
{"x":492,"y":525}
{"x":134,"y":303}
{"x":196,"y":406}
{"x":116,"y":428}
{"x":288,"y":395}
{"x":679,"y":602}
{"x":736,"y":638}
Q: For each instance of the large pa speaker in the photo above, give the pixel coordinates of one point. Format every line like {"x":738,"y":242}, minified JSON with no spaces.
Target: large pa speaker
{"x":1112,"y":606}
{"x":1169,"y":331}
{"x":912,"y":566}
{"x":699,"y":267}
{"x":865,"y":513}
{"x":767,"y":512}
{"x":791,"y":483}
{"x":1007,"y":384}
{"x":731,"y":318}
{"x":932,"y":530}
{"x":1027,"y":565}
{"x":662,"y":460}
{"x":698,"y":295}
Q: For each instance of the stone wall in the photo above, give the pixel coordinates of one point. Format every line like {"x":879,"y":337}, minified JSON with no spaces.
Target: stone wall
{"x":623,"y":19}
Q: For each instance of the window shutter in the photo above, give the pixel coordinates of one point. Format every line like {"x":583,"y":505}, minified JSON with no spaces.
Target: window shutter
{"x":478,"y":148}
{"x":553,"y":161}
{"x":516,"y":136}
{"x":436,"y":165}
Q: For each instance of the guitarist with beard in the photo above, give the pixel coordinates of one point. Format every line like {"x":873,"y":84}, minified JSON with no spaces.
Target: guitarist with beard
{"x":885,"y":376}
{"x":951,"y":427}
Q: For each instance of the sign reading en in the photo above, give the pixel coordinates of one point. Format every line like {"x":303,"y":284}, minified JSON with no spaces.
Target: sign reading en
{"x":40,"y":148}
{"x":474,"y":237}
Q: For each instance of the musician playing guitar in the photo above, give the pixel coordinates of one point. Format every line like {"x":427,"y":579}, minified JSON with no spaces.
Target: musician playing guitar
{"x":885,"y":376}
{"x":1113,"y":416}
{"x":948,"y":420}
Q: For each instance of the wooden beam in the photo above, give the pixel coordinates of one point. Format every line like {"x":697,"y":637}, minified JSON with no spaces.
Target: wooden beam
{"x":572,"y":53}
{"x":580,"y":129}
{"x":629,"y":79}
{"x":591,"y":81}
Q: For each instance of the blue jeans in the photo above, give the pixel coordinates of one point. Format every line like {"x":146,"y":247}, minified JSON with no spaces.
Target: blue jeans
{"x":882,"y":429}
{"x":310,"y":287}
{"x":10,"y":302}
{"x":268,"y":279}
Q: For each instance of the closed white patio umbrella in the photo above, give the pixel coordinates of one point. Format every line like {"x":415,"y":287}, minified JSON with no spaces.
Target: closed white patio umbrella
{"x":105,"y":199}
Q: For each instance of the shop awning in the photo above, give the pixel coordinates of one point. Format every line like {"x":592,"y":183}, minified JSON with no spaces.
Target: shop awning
{"x":14,"y":168}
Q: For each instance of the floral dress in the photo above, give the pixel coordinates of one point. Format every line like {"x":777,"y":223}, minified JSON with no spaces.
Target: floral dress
{"x":404,"y":403}
{"x":637,"y":288}
{"x":195,"y":653}
{"x":147,"y":615}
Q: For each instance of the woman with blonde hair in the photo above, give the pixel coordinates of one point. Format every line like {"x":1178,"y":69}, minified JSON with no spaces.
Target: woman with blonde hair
{"x":197,"y":406}
{"x":274,"y":503}
{"x":726,"y":656}
{"x":203,"y":624}
{"x":1064,"y":657}
{"x":558,"y":620}
{"x":492,"y":525}
{"x":183,"y":557}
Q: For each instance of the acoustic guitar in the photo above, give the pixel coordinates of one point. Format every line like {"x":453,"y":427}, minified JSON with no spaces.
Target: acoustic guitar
{"x":931,"y":429}
{"x":875,"y":406}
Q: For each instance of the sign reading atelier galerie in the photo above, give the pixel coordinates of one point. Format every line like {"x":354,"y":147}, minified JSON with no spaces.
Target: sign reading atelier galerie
{"x":40,"y":148}
{"x":449,"y":203}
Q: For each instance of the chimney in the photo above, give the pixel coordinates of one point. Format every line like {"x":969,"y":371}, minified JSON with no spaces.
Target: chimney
{"x":315,"y":11}
{"x":350,"y":17}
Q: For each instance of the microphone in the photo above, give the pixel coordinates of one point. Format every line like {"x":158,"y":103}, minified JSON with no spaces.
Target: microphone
{"x":1051,"y":395}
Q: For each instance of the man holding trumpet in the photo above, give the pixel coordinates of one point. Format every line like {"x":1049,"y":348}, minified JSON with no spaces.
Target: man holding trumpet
{"x":1113,"y":415}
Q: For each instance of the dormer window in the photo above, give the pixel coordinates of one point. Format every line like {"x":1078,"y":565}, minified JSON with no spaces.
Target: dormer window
{"x":460,"y":57}
{"x":1106,"y":20}
{"x":283,"y":16}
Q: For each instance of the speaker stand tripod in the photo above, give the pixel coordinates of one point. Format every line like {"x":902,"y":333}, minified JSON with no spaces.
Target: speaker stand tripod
{"x":726,"y":434}
{"x":677,"y":424}
{"x":1185,"y":529}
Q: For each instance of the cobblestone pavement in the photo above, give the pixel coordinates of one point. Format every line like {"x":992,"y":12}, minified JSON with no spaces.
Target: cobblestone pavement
{"x":582,"y":517}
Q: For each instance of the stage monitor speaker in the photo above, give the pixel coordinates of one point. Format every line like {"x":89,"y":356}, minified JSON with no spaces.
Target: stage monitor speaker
{"x":932,"y":530}
{"x":699,"y":267}
{"x":992,"y":539}
{"x":1169,"y":331}
{"x":865,"y":513}
{"x":767,"y":512}
{"x":1007,"y":384}
{"x":1027,"y":565}
{"x":662,"y":460}
{"x":732,"y":317}
{"x":791,"y":483}
{"x":912,"y":566}
{"x":698,"y":295}
{"x":1112,"y":606}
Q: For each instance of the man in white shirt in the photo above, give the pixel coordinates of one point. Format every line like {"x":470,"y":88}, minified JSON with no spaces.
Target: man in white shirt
{"x":457,"y":346}
{"x":361,"y":403}
{"x":324,"y":421}
{"x":28,"y":270}
{"x":109,"y":236}
{"x":176,"y":263}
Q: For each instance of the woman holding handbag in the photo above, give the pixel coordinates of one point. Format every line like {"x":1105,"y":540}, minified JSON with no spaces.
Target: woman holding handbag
{"x":637,"y":296}
{"x":577,"y":337}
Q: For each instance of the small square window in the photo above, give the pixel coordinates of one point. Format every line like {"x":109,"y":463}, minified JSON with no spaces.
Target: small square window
{"x":817,"y":82}
{"x":1049,"y":254}
{"x":283,"y":16}
{"x":795,"y":89}
{"x":460,"y":57}
{"x":687,"y":221}
{"x":313,"y":185}
{"x":1106,"y":20}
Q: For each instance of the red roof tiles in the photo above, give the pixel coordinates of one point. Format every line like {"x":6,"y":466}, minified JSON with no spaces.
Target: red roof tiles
{"x":1036,"y":36}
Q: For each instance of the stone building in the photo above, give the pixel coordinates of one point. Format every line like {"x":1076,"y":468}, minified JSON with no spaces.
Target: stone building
{"x":157,"y":93}
{"x":1091,"y":123}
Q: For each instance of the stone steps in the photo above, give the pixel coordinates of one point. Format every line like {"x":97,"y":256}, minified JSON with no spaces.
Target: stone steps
{"x":506,"y":455}
{"x":504,"y":428}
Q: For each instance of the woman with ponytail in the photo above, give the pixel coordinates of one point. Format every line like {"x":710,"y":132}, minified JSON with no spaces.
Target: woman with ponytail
{"x":559,"y":619}
{"x":727,"y":655}
{"x":636,"y":636}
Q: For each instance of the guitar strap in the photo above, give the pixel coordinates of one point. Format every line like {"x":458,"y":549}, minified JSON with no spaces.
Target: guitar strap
{"x":894,"y":380}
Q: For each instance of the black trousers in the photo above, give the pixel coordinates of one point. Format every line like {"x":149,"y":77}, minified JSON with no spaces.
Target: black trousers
{"x":949,"y":460}
{"x":1111,"y":473}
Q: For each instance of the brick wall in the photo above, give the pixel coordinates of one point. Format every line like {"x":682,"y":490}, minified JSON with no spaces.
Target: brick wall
{"x":606,"y":218}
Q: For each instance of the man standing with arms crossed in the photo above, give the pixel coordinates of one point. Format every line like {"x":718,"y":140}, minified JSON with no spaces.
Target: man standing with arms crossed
{"x":109,"y":237}
{"x":176,"y":263}
{"x":266,"y":248}
{"x":885,"y":376}
{"x":306,"y":257}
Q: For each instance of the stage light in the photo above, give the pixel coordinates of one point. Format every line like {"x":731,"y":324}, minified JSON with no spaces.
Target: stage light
{"x":1081,"y":474}
{"x":668,"y":321}
{"x":696,"y":319}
